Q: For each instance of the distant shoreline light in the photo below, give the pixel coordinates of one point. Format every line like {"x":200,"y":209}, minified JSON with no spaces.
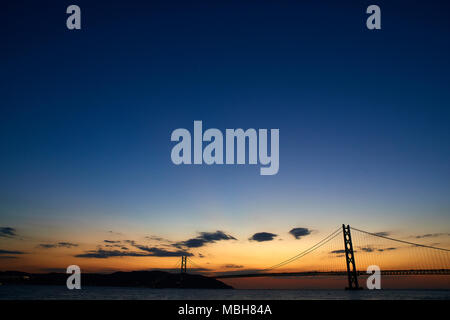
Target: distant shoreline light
{"x":213,"y":153}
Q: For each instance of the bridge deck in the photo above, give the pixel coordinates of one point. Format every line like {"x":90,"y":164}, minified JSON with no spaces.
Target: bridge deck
{"x":336,"y":273}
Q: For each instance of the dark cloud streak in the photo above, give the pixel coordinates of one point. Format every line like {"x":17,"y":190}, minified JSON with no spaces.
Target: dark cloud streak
{"x":111,"y":241}
{"x":7,"y":232}
{"x":233,"y":266}
{"x":11,"y":252}
{"x":297,"y":233}
{"x":57,"y":245}
{"x":203,"y":239}
{"x":431,"y":235}
{"x":103,"y":254}
{"x":158,"y":252}
{"x":263,"y":236}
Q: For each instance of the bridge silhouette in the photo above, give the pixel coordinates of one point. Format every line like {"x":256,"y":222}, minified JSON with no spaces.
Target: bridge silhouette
{"x":339,"y":254}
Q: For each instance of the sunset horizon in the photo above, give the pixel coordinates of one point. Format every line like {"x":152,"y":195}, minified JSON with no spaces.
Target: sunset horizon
{"x":225,"y":158}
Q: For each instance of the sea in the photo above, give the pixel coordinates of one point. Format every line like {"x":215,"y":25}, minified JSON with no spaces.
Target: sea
{"x":37,"y":292}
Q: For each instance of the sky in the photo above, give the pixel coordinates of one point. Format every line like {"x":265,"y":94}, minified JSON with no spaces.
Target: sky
{"x":86,"y":118}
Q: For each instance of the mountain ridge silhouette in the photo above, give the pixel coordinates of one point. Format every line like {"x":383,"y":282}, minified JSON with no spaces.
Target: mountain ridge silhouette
{"x":146,"y":279}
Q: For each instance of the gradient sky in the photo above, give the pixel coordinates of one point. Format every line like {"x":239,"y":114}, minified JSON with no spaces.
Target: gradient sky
{"x":86,"y":118}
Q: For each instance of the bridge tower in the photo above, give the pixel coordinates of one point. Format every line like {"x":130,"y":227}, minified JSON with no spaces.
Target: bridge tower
{"x":350,"y":259}
{"x":183,"y":264}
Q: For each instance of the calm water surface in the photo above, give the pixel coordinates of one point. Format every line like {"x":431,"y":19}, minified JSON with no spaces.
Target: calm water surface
{"x":33,"y":292}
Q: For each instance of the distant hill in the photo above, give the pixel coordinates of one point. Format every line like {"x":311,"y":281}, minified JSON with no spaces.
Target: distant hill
{"x":146,"y":279}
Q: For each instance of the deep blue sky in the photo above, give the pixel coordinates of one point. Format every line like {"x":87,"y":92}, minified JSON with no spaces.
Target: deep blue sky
{"x":86,"y":116}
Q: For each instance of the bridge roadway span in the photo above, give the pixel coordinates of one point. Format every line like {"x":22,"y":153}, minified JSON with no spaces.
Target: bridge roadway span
{"x":336,"y":273}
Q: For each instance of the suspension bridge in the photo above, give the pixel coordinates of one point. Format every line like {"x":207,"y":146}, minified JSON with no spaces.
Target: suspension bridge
{"x":348,"y":252}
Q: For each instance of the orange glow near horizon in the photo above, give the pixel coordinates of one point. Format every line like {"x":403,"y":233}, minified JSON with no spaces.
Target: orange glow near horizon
{"x":328,"y":258}
{"x":234,"y":256}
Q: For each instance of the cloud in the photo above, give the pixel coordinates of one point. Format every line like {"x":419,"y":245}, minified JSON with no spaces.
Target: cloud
{"x":103,"y":254}
{"x":147,"y":252}
{"x":144,"y":251}
{"x":367,"y":249}
{"x":107,"y":251}
{"x":47,"y":245}
{"x":233,"y":266}
{"x":57,"y":245}
{"x":8,"y":257}
{"x":383,"y":233}
{"x":158,"y":239}
{"x":7,"y":232}
{"x":371,"y":249}
{"x":117,"y":244}
{"x":158,"y":252}
{"x":387,"y":249}
{"x":67,"y":244}
{"x":115,"y":233}
{"x":262,"y":236}
{"x":203,"y":239}
{"x":297,"y":233}
{"x":431,"y":235}
{"x":337,"y":251}
{"x":113,"y":246}
{"x":191,"y":243}
{"x":11,"y":252}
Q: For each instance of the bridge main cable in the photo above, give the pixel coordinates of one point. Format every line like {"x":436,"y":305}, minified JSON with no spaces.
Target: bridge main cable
{"x":195,"y":264}
{"x":305,"y":252}
{"x":402,"y":241}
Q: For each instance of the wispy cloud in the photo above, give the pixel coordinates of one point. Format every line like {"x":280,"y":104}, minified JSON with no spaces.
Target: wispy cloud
{"x":11,"y":252}
{"x":148,"y":252}
{"x":263,"y":236}
{"x":7,"y":232}
{"x":387,"y":249}
{"x":57,"y":245}
{"x":372,"y":249}
{"x":367,"y":249}
{"x":114,"y":233}
{"x":432,"y":235}
{"x":203,"y":239}
{"x":158,"y":252}
{"x":145,"y":251}
{"x":103,"y":254}
{"x":158,"y":239}
{"x":233,"y":266}
{"x":383,"y":233}
{"x":337,"y":251}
